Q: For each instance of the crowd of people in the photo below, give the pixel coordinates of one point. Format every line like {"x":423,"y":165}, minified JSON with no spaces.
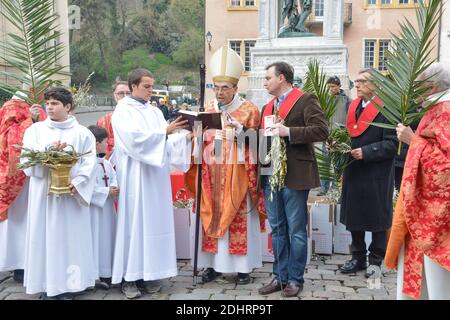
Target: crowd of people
{"x":117,"y":226}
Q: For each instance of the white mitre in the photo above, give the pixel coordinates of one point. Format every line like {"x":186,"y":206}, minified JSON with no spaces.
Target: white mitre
{"x":226,"y":65}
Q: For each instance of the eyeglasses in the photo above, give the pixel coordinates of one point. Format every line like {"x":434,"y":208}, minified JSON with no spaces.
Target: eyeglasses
{"x":224,"y":89}
{"x":360,"y":81}
{"x":123,"y":93}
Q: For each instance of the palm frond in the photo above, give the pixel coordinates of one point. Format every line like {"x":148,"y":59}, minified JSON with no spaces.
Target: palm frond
{"x":316,"y":82}
{"x":401,"y":92}
{"x":34,"y":48}
{"x":333,"y":162}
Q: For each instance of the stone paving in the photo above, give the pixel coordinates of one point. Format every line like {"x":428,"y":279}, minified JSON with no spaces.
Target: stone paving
{"x":323,"y":281}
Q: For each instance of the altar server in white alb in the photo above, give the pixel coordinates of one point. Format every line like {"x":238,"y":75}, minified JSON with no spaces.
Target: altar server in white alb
{"x":145,"y":147}
{"x":59,"y":257}
{"x":103,"y":211}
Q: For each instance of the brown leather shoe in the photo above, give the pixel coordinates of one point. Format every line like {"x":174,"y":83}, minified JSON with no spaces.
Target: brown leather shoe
{"x":272,"y":287}
{"x":292,"y":290}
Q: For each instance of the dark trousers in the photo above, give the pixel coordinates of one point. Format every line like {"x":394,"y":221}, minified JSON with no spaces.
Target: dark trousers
{"x":398,"y":177}
{"x":377,"y":248}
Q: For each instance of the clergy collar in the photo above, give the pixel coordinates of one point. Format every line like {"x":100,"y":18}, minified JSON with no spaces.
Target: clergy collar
{"x":69,"y":123}
{"x":232,"y":106}
{"x":365,"y":103}
{"x":139,"y":100}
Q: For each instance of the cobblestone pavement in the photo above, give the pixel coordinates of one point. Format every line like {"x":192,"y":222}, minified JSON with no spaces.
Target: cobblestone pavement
{"x":323,"y":281}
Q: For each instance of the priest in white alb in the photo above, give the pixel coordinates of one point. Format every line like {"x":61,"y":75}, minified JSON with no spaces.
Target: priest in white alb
{"x":59,"y":258}
{"x":145,"y":148}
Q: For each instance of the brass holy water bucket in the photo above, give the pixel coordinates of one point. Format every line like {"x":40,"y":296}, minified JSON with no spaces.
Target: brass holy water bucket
{"x":60,"y":180}
{"x":60,"y":177}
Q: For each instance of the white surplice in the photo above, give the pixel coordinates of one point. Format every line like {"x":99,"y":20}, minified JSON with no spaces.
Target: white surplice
{"x":145,"y":236}
{"x":103,"y":218}
{"x":59,"y":255}
{"x":13,"y":233}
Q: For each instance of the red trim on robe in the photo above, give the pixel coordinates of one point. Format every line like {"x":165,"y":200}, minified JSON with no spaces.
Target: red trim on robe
{"x":285,"y":107}
{"x":370,"y":112}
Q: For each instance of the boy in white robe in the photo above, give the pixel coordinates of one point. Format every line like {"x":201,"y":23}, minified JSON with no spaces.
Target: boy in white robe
{"x":59,"y":256}
{"x":145,"y":146}
{"x":103,"y":211}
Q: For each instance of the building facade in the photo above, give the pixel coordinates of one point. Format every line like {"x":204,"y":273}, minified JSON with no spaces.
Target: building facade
{"x":444,"y":50}
{"x":60,"y":7}
{"x":368,"y":25}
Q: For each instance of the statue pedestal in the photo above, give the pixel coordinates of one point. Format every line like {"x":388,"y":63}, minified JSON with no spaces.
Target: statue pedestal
{"x":332,"y":57}
{"x":328,"y":49}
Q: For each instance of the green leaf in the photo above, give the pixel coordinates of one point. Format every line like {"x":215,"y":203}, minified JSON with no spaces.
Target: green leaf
{"x":27,"y":49}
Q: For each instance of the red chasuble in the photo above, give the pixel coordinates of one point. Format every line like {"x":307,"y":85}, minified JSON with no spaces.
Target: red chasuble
{"x":105,"y":122}
{"x":15,"y":118}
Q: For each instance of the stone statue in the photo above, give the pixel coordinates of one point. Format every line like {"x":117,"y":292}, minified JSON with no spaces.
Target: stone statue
{"x":306,"y":11}
{"x":288,"y":6}
{"x":296,"y":18}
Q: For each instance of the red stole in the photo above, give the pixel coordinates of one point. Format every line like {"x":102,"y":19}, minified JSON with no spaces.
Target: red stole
{"x":285,"y":107}
{"x":357,"y":128}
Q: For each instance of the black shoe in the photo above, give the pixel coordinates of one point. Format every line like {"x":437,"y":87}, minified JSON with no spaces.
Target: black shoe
{"x":353,"y":265}
{"x":210,"y":274}
{"x":243,"y":278}
{"x":18,"y":275}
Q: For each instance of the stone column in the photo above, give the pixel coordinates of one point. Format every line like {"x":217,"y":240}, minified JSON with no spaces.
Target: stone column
{"x":263,"y":20}
{"x":333,"y":24}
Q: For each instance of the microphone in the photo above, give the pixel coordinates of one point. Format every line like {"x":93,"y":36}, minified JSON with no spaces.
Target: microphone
{"x":218,"y":139}
{"x":222,"y":109}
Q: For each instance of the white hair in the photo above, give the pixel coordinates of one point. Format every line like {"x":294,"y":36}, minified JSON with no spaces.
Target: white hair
{"x":438,"y":74}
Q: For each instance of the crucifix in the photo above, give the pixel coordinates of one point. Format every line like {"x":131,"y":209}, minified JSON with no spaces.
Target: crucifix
{"x":105,"y":177}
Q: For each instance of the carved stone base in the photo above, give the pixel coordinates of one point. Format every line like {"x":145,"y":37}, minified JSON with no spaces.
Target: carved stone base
{"x":297,"y":52}
{"x":294,"y":34}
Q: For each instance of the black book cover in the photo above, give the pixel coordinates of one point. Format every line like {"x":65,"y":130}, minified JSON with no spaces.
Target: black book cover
{"x":210,"y":120}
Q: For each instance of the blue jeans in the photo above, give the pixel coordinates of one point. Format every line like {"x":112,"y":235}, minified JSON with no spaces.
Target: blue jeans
{"x":287,"y":215}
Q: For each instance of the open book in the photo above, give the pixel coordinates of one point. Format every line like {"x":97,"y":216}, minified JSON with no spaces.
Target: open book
{"x":212,"y":120}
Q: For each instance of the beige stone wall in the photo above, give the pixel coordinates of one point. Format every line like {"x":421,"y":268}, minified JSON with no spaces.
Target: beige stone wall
{"x":445,"y":37}
{"x":61,"y":9}
{"x":226,"y":25}
{"x":367,"y":23}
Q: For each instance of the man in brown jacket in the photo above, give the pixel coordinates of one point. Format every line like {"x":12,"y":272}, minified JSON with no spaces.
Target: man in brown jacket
{"x":300,"y":122}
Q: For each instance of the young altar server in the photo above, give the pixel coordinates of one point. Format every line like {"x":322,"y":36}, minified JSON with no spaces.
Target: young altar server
{"x":59,"y":257}
{"x":103,"y":212}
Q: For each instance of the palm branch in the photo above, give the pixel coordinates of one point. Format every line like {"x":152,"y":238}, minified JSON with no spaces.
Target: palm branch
{"x":316,"y":82}
{"x":33,"y":48}
{"x":401,"y":92}
{"x":333,"y":162}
